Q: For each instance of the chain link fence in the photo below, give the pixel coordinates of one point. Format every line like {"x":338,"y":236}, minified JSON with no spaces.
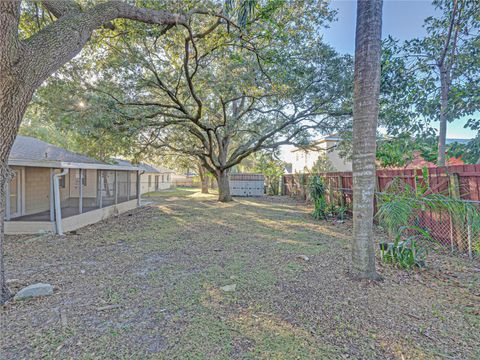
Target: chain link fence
{"x":448,"y":232}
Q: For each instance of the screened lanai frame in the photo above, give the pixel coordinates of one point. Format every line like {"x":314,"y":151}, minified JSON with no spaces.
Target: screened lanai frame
{"x":51,"y":191}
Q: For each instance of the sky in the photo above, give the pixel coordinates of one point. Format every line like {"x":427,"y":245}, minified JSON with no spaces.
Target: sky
{"x":402,"y":19}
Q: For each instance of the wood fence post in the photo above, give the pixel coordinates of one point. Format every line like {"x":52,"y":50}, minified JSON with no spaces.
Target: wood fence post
{"x":454,"y":190}
{"x":340,"y":189}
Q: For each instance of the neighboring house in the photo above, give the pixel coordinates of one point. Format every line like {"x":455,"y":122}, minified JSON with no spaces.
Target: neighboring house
{"x":418,"y":162}
{"x":189,"y":179}
{"x":300,"y":160}
{"x":152,"y":178}
{"x":55,"y":190}
{"x":155,"y":178}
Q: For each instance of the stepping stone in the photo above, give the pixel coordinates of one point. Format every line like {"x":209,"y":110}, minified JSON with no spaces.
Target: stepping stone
{"x":34,"y":290}
{"x":229,"y":288}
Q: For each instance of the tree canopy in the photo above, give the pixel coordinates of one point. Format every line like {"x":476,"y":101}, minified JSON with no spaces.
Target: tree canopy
{"x":435,"y":77}
{"x":219,"y":92}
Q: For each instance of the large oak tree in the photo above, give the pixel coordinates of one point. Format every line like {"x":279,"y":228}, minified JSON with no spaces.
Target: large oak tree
{"x":27,"y":60}
{"x":220,"y":93}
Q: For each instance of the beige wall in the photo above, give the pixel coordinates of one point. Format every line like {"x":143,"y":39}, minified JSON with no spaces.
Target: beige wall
{"x":92,"y":217}
{"x":303,"y":160}
{"x":89,"y":190}
{"x":145,"y":187}
{"x":70,"y":223}
{"x":37,"y":190}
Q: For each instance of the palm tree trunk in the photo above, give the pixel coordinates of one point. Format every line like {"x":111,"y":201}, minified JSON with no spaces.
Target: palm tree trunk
{"x":365,"y":116}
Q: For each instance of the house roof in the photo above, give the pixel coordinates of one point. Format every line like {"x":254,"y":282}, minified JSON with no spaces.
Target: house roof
{"x":28,"y":151}
{"x":419,"y":162}
{"x":145,"y":167}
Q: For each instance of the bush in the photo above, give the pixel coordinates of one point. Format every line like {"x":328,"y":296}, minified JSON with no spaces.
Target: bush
{"x":405,"y":251}
{"x":316,"y":189}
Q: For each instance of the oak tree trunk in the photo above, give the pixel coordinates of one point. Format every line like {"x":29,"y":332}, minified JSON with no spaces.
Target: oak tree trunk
{"x":13,"y":103}
{"x":223,"y":186}
{"x":365,"y":116}
{"x":205,"y":185}
{"x":4,"y":294}
{"x":203,"y":179}
{"x":26,"y":63}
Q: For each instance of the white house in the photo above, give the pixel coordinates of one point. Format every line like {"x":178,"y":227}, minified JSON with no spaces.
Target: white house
{"x":152,"y":178}
{"x":301,"y":160}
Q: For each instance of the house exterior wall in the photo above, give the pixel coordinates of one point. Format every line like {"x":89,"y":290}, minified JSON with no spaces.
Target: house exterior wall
{"x":28,"y":227}
{"x":37,"y":190}
{"x":94,"y":216}
{"x":89,"y":190}
{"x":303,"y":160}
{"x":70,"y":223}
{"x":333,"y":155}
{"x":146,"y":185}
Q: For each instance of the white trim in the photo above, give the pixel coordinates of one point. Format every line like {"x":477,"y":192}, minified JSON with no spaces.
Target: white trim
{"x":58,"y":208}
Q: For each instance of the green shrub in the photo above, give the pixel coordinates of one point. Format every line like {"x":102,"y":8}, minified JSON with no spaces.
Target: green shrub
{"x":316,"y":189}
{"x":405,"y":251}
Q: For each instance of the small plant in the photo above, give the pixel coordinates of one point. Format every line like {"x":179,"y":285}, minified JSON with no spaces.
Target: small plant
{"x":404,"y":251}
{"x":316,"y":188}
{"x":342,"y":212}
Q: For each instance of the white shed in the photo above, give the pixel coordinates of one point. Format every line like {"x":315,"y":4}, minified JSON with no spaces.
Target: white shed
{"x":247,"y":184}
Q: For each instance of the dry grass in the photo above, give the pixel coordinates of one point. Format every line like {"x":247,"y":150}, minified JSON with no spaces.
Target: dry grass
{"x":147,"y":285}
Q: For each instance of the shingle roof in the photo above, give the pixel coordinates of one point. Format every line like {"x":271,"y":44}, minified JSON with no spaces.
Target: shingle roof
{"x":29,"y":151}
{"x":147,"y":168}
{"x":28,"y":148}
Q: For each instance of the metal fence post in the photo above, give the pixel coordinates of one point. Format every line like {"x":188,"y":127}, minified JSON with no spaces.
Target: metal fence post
{"x":469,"y":238}
{"x":116,"y":186}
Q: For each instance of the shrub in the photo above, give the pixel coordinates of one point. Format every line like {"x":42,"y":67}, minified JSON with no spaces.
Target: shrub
{"x":405,"y":251}
{"x":316,"y":189}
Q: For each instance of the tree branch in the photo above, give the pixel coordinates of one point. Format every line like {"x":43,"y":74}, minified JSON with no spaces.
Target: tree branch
{"x":50,"y":48}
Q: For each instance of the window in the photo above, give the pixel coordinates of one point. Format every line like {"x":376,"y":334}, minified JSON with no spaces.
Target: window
{"x":149,"y":180}
{"x":168,"y":178}
{"x":84,"y":178}
{"x":156,"y":182}
{"x":163,"y":178}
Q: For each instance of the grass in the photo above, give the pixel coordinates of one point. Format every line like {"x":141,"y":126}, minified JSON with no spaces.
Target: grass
{"x":163,"y":267}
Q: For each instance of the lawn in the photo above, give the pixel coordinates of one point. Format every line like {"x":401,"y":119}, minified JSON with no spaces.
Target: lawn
{"x":189,"y":278}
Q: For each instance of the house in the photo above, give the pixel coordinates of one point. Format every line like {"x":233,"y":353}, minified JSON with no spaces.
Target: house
{"x":418,"y":162}
{"x":300,"y":160}
{"x":155,"y":178}
{"x":188,"y":179}
{"x":151,"y":178}
{"x":55,"y":190}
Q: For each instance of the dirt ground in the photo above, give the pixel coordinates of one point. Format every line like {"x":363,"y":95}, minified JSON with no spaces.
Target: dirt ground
{"x":148,"y":285}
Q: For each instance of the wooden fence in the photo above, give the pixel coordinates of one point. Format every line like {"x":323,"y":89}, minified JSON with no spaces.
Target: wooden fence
{"x":460,"y":181}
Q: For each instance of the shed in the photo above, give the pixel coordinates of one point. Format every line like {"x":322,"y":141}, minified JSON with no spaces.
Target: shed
{"x":242,"y":184}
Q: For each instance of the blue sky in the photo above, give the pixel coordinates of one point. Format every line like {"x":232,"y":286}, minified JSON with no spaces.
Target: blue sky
{"x":402,"y":19}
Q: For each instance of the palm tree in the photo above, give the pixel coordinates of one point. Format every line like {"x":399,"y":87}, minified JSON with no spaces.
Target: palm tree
{"x":365,"y":115}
